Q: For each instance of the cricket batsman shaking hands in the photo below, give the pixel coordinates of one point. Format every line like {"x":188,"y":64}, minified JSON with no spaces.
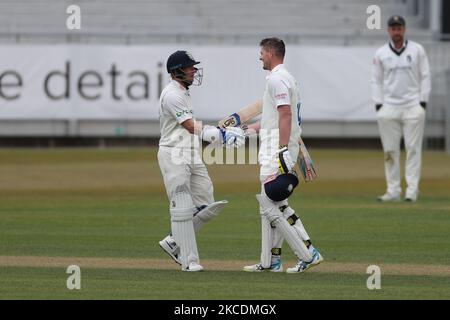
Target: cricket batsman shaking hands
{"x":279,"y":131}
{"x":188,"y":186}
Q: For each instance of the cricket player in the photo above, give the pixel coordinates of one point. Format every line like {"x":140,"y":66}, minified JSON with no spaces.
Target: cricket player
{"x":188,"y":185}
{"x":279,"y":131}
{"x":400,"y":89}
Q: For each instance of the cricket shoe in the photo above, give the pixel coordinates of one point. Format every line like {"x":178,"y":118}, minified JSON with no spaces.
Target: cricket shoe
{"x":302,"y":266}
{"x":387,"y":197}
{"x":169,"y":245}
{"x":411,"y":197}
{"x":276,"y":266}
{"x":193,"y":267}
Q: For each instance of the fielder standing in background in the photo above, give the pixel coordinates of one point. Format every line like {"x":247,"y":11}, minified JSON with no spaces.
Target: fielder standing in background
{"x":188,"y":185}
{"x":279,"y":131}
{"x":400,"y":88}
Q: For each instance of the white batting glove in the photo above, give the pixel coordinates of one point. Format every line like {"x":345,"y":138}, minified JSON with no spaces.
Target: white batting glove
{"x":233,"y":137}
{"x":285,"y":163}
{"x":211,"y":134}
{"x":229,"y":136}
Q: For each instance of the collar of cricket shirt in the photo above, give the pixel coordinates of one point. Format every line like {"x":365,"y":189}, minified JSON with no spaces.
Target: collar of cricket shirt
{"x":398,"y":51}
{"x":278,"y":67}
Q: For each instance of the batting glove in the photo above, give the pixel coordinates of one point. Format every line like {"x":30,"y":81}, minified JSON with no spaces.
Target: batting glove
{"x":233,"y":137}
{"x":211,"y":134}
{"x":285,"y":163}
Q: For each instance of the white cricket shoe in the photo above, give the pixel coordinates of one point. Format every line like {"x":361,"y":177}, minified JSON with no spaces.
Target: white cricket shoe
{"x":169,"y":245}
{"x":411,"y":197}
{"x":193,"y":267}
{"x":276,"y":266}
{"x":387,"y":197}
{"x":302,"y":266}
{"x":254,"y":268}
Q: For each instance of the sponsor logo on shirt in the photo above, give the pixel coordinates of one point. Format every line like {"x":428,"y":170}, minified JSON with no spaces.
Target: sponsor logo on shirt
{"x":401,"y":68}
{"x":281,"y":96}
{"x":184,"y":112}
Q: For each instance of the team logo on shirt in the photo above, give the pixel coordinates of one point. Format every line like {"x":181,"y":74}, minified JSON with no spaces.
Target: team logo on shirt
{"x":409,"y":58}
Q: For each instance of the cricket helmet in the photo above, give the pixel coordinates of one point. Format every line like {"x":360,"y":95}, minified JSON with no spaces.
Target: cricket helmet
{"x":281,"y":186}
{"x":180,"y":59}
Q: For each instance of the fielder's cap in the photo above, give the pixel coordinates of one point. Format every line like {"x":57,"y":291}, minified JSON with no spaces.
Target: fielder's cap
{"x":396,"y":21}
{"x":281,"y":187}
{"x":180,"y":59}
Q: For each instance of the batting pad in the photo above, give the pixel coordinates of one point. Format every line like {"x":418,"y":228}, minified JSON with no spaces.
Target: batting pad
{"x":277,"y":238}
{"x":266,"y":242}
{"x":182,"y":212}
{"x":293,"y":239}
{"x":208,"y":213}
{"x":270,"y":210}
{"x":298,"y":226}
{"x":184,"y":235}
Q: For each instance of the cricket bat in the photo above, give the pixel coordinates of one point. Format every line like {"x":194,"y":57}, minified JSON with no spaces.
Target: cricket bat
{"x":242,"y":116}
{"x":250,"y":111}
{"x":305,"y":162}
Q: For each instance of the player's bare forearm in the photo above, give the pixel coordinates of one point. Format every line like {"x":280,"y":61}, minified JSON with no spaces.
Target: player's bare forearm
{"x":254,"y":127}
{"x":284,"y":124}
{"x":192,"y":126}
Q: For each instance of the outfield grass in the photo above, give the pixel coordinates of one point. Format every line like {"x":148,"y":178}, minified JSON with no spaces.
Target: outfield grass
{"x":111,"y":203}
{"x":33,"y":283}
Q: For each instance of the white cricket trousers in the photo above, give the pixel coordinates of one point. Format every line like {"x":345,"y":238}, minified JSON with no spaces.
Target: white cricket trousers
{"x":393,"y":122}
{"x":184,"y":167}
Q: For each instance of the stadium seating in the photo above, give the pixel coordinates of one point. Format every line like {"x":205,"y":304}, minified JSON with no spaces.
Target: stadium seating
{"x":210,"y":21}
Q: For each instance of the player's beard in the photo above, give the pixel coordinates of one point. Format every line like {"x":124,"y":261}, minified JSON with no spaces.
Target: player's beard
{"x":398,"y":39}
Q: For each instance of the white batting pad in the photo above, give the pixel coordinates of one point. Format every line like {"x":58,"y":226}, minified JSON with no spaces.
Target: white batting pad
{"x":277,"y":238}
{"x":298,"y":226}
{"x":266,"y":242}
{"x":270,"y":210}
{"x":208,"y":213}
{"x":183,"y":232}
{"x":182,"y":211}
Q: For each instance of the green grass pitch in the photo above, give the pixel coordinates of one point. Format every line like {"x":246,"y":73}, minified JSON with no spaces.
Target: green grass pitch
{"x":107,"y":209}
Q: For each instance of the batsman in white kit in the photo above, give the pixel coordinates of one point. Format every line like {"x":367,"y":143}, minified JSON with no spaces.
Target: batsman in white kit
{"x":188,"y":185}
{"x":401,"y":86}
{"x":279,"y":131}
